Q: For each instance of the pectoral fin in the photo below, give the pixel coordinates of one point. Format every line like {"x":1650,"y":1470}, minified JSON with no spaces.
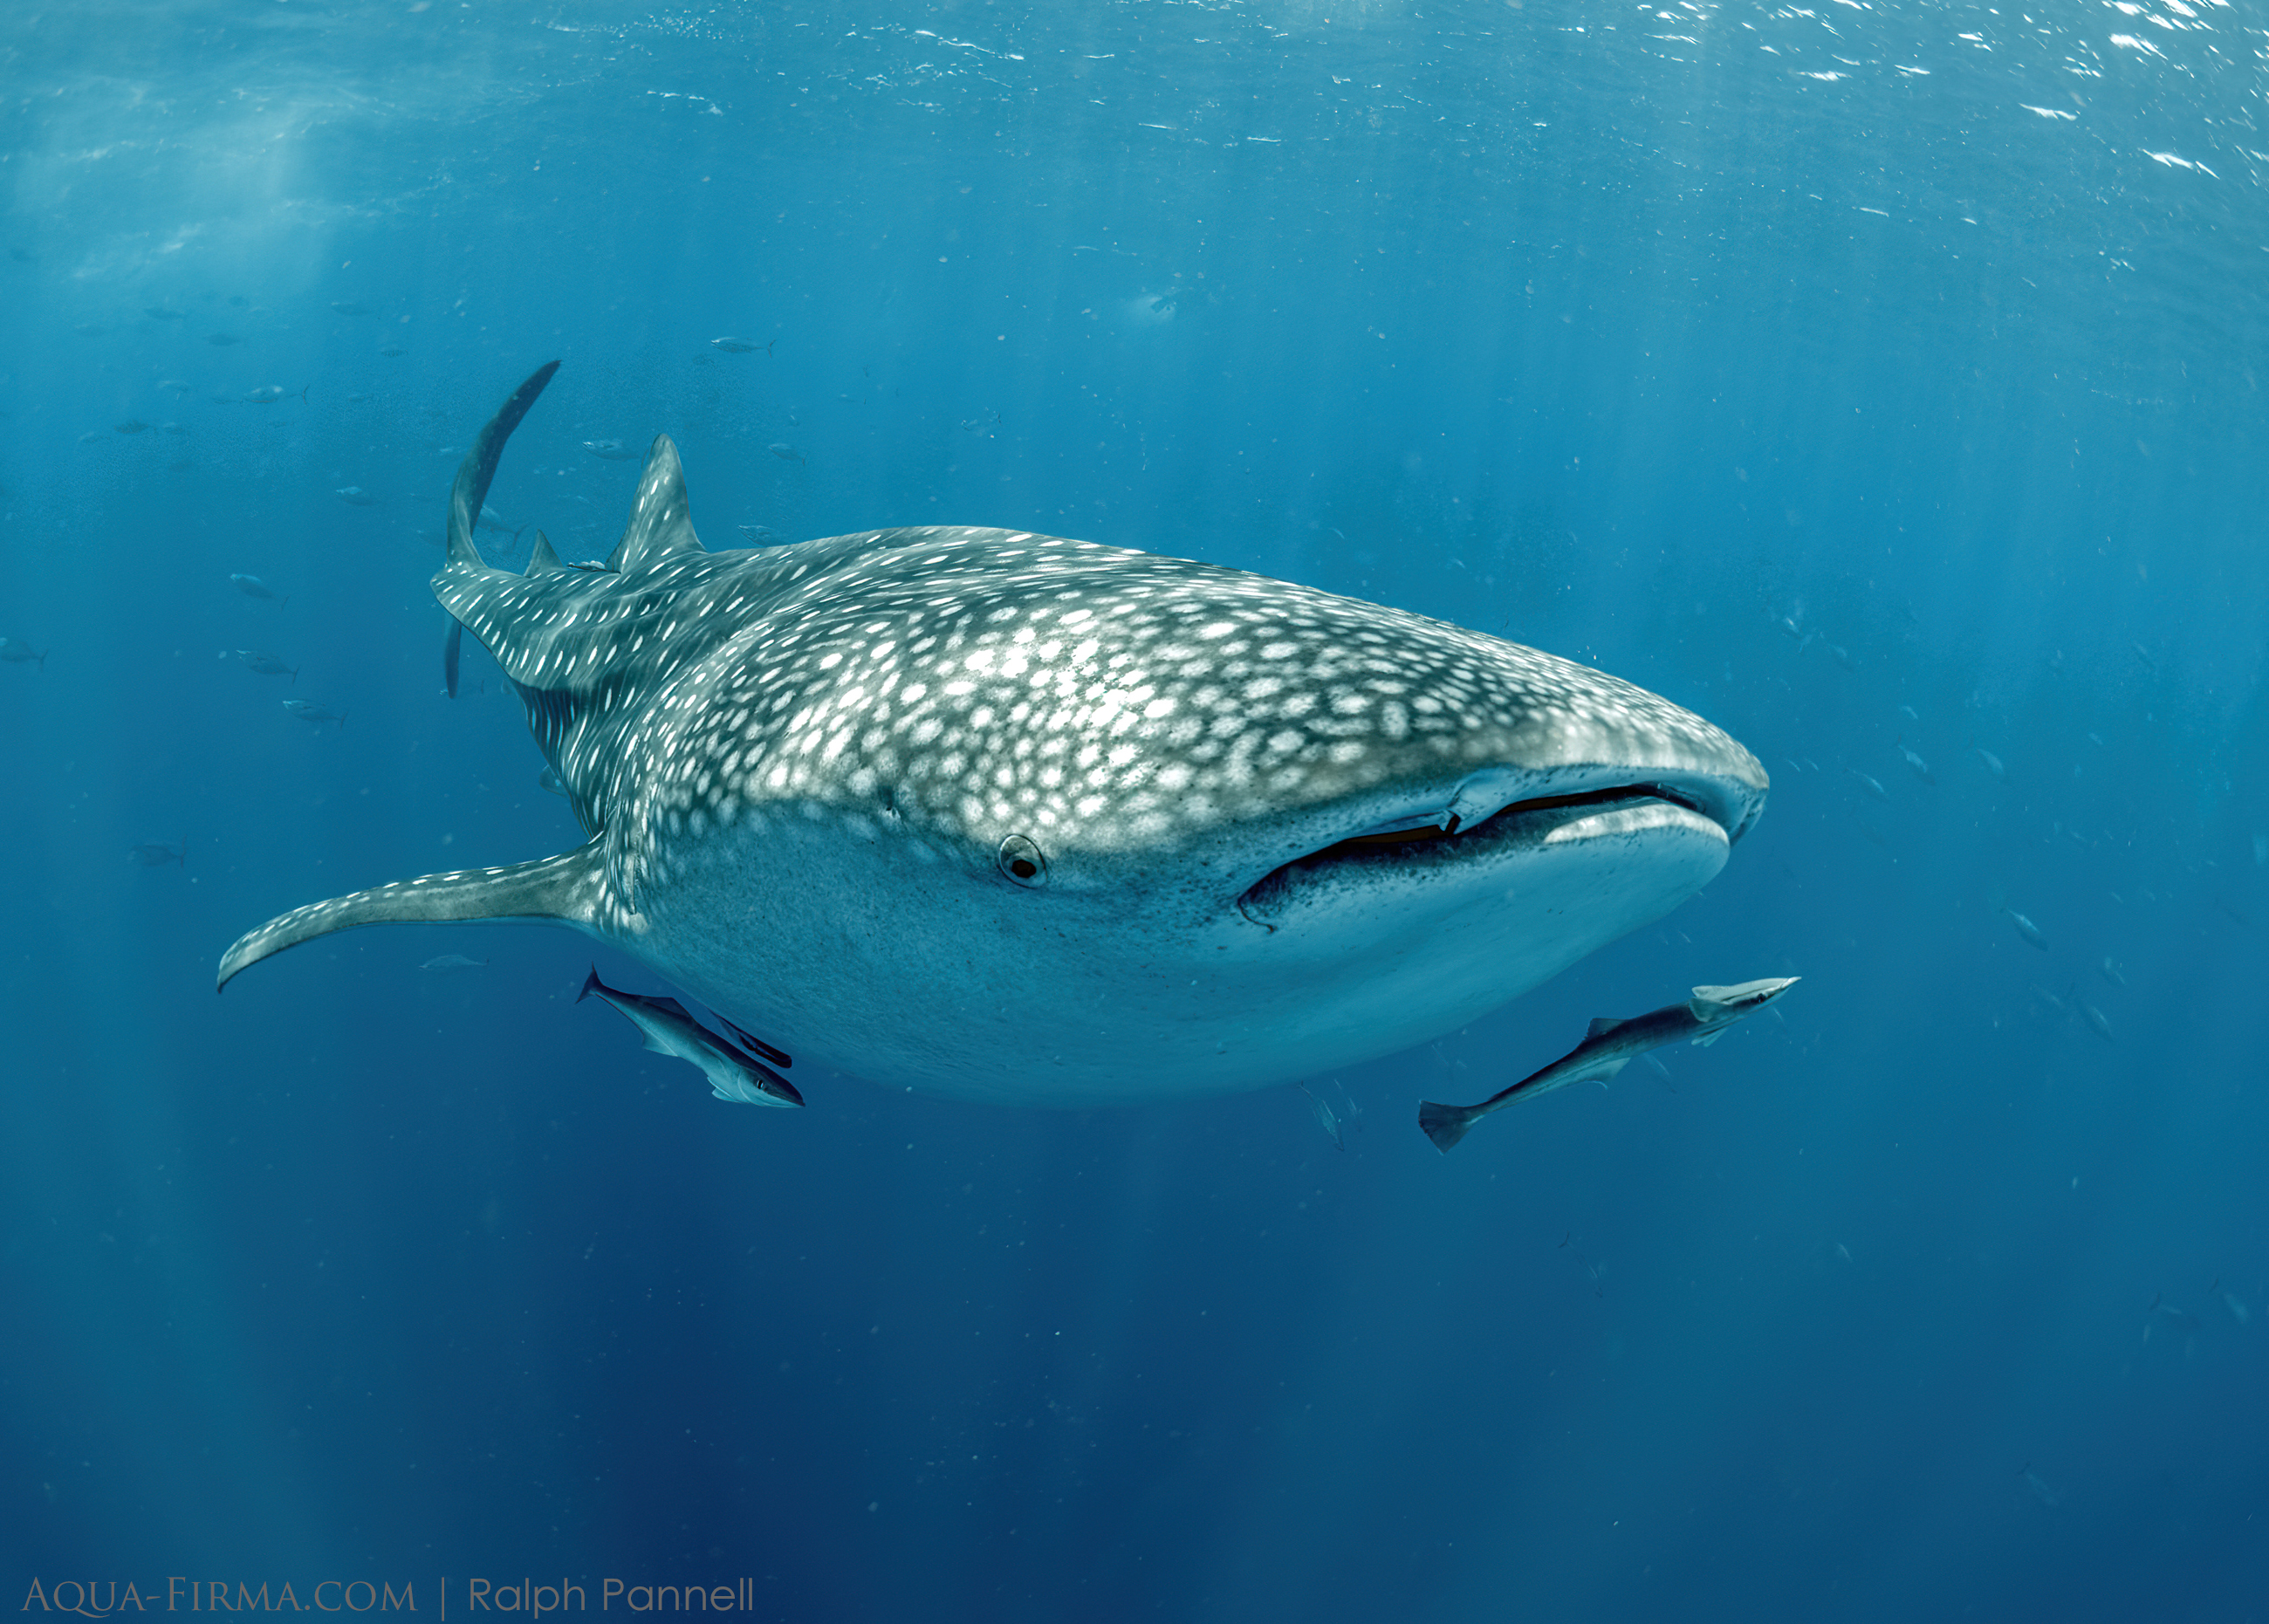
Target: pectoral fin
{"x":567,"y":889}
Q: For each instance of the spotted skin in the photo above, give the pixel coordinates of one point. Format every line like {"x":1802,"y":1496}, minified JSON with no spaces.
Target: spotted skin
{"x":1027,"y":818}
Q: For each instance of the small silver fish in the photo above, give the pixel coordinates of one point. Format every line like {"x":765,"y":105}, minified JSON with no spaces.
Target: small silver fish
{"x":453,"y":961}
{"x":2161,"y":1309}
{"x":348,"y":308}
{"x":253,"y":587}
{"x":786,"y":452}
{"x":2026,"y":929}
{"x":354,"y":496}
{"x":157,"y":853}
{"x":760,"y":535}
{"x":390,"y":351}
{"x":739,"y":346}
{"x":132,"y":425}
{"x":316,"y":715}
{"x":265,"y":665}
{"x":1325,"y":1118}
{"x":269,"y":394}
{"x":1993,"y":761}
{"x":669,"y":1030}
{"x":610,"y":451}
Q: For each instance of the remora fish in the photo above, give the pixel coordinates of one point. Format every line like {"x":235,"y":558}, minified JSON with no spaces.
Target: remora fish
{"x":1020,"y":818}
{"x":1610,"y":1046}
{"x":669,"y":1029}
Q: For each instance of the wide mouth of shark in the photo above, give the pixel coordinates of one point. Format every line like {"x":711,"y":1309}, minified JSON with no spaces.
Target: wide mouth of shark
{"x":1449,"y":835}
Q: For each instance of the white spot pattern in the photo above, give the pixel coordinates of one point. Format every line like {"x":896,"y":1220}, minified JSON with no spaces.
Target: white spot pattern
{"x":971,"y":684}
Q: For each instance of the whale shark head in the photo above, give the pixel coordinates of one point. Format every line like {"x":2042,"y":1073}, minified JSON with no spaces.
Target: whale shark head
{"x":1026,"y":819}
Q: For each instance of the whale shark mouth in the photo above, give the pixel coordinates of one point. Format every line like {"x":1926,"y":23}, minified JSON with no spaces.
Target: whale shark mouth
{"x":1444,"y":838}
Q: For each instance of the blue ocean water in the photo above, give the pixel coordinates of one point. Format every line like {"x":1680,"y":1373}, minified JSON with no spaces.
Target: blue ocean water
{"x":1877,"y":379}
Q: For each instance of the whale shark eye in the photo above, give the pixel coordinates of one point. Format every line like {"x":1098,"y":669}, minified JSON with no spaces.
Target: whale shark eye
{"x":1022,"y":861}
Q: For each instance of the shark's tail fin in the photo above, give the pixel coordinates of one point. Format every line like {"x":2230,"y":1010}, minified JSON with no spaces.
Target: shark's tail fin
{"x":1445,"y":1125}
{"x":480,"y":465}
{"x":452,"y":647}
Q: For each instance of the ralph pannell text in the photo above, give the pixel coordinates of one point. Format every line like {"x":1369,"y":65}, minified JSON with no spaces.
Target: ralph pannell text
{"x":102,"y":1599}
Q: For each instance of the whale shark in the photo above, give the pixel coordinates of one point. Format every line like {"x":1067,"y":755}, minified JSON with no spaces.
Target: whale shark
{"x":1009,"y":816}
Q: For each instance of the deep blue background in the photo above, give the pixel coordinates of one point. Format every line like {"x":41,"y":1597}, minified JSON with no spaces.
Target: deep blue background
{"x":1808,"y":365}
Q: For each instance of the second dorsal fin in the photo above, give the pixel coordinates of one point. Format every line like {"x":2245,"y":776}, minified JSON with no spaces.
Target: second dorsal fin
{"x":661,"y":525}
{"x":1601,"y":1025}
{"x":540,"y":559}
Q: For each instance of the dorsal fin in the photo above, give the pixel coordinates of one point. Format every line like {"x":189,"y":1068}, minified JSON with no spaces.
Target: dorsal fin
{"x":540,"y":559}
{"x":480,"y":465}
{"x":1601,"y":1025}
{"x":661,"y":525}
